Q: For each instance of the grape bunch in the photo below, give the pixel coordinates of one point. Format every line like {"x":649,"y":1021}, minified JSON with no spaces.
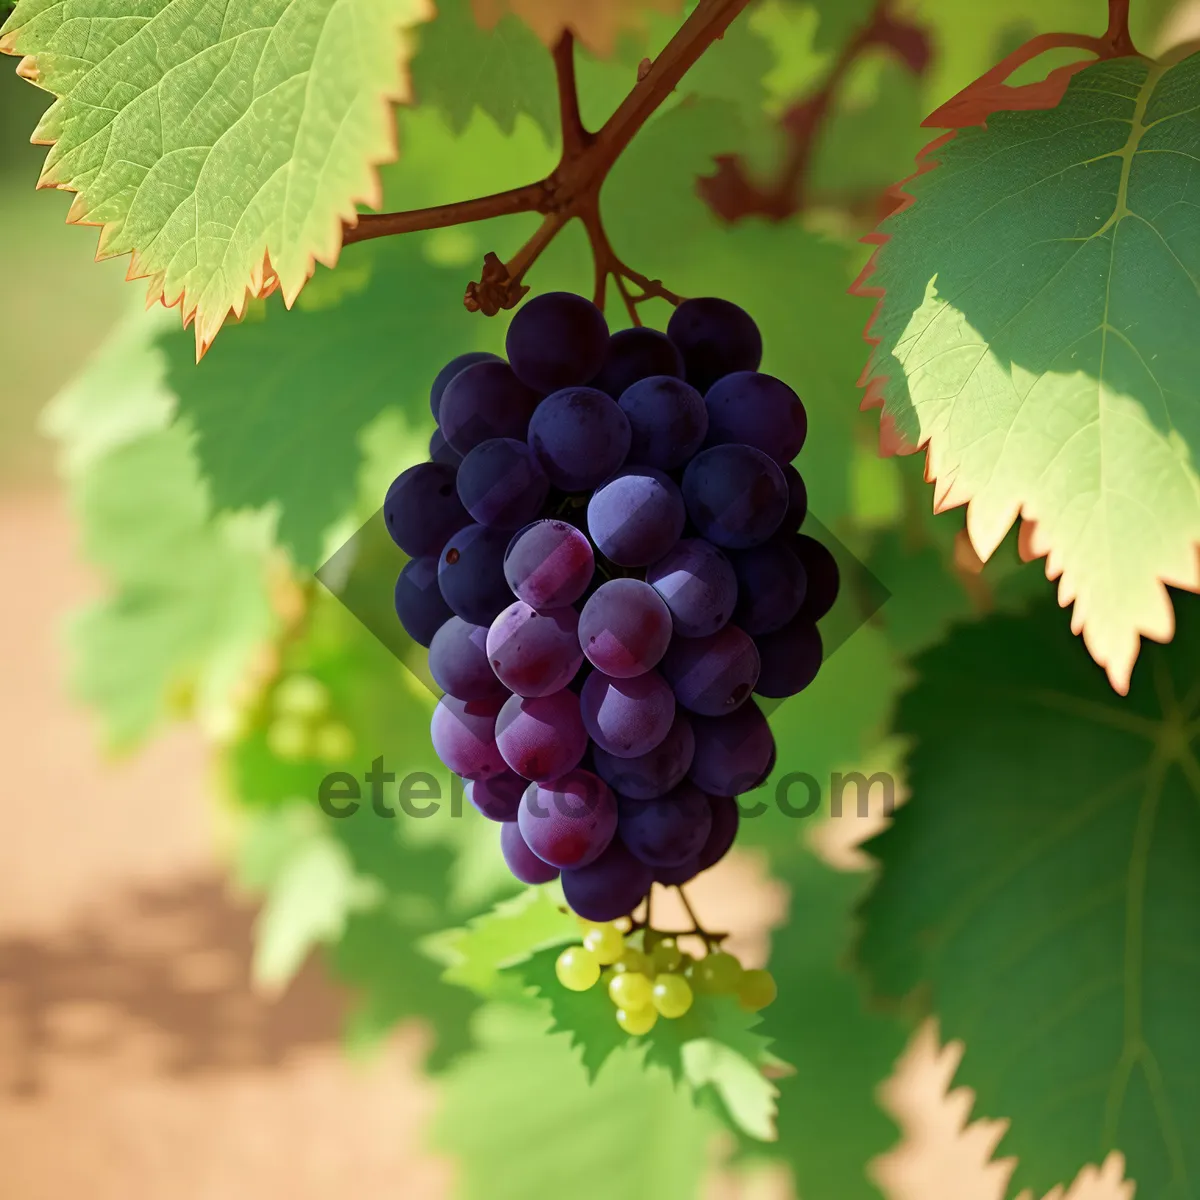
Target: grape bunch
{"x":606,"y":565}
{"x":648,"y":976}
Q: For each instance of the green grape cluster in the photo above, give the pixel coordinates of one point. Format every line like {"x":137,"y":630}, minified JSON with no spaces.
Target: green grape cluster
{"x":301,"y":728}
{"x":656,"y":978}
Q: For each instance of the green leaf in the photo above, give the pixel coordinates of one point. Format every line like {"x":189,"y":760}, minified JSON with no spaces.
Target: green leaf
{"x":504,"y":71}
{"x":217,"y":199}
{"x":743,"y":1090}
{"x":523,"y":1120}
{"x":1035,"y":334}
{"x":1041,"y":890}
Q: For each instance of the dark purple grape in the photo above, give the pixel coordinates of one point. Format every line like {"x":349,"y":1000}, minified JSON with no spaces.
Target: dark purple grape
{"x":471,"y":574}
{"x":668,"y":831}
{"x":534,"y":652}
{"x":697,"y":583}
{"x":464,"y":736}
{"x":501,"y":484}
{"x":756,"y":410}
{"x":771,"y":585}
{"x":614,"y":885}
{"x":712,"y":675}
{"x":557,"y":340}
{"x":797,"y":508}
{"x":625,"y":628}
{"x":499,"y":796}
{"x":541,"y":737}
{"x":452,"y":368}
{"x":459,"y":663}
{"x":791,"y":658}
{"x":549,"y":564}
{"x":734,"y":754}
{"x":635,"y":354}
{"x":627,"y":717}
{"x":725,"y":819}
{"x":422,"y":510}
{"x":654,"y":773}
{"x":715,"y":337}
{"x":569,"y":821}
{"x":636,"y":516}
{"x":824,"y":579}
{"x":485,"y":401}
{"x":419,"y":602}
{"x":736,"y":495}
{"x":521,"y":861}
{"x":440,"y":450}
{"x":580,"y":437}
{"x":667,"y":420}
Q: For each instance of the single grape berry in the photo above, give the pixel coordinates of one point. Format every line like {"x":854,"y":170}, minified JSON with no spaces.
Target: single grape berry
{"x":458,"y":662}
{"x":464,"y":737}
{"x":498,"y":797}
{"x":452,"y":368}
{"x":712,"y":675}
{"x":698,"y":585}
{"x":718,"y":973}
{"x":668,"y":831}
{"x":716,"y":337}
{"x":671,"y":996}
{"x":624,"y":628}
{"x":630,"y":990}
{"x":420,"y":604}
{"x":636,"y":516}
{"x":611,"y":887}
{"x":580,"y":437}
{"x":422,"y":509}
{"x":501,"y":484}
{"x":791,"y":658}
{"x":556,"y":340}
{"x":657,"y":771}
{"x":736,"y":495}
{"x":470,"y":574}
{"x":666,"y":956}
{"x":549,"y":564}
{"x":637,"y":1021}
{"x":734,"y":753}
{"x":606,"y":942}
{"x":485,"y":401}
{"x":821,"y":571}
{"x":627,"y":717}
{"x":577,"y":969}
{"x":569,"y":821}
{"x":771,"y":586}
{"x":541,"y":737}
{"x":534,"y":653}
{"x":756,"y":989}
{"x":520,"y":860}
{"x":668,"y":421}
{"x":634,"y":354}
{"x":756,"y":410}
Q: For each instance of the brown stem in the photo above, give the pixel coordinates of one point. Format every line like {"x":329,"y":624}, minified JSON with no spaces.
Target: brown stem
{"x":575,"y":138}
{"x":1117,"y":34}
{"x":529,"y":198}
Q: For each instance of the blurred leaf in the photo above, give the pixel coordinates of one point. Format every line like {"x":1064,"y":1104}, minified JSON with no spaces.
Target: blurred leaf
{"x":744,"y":1091}
{"x":217,"y":202}
{"x":596,"y":23}
{"x":523,"y":1120}
{"x":1041,"y":892}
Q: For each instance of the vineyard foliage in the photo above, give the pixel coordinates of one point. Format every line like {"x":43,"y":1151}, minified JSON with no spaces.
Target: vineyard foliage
{"x":1028,"y":286}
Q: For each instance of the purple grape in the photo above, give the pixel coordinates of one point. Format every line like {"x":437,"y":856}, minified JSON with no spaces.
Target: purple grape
{"x":499,"y":796}
{"x":725,"y":819}
{"x":824,"y":579}
{"x":734,"y":753}
{"x":521,"y":861}
{"x":568,"y":821}
{"x":500,"y":484}
{"x":541,"y":737}
{"x":697,"y":583}
{"x":771,"y":586}
{"x":422,"y":509}
{"x":756,"y":410}
{"x":625,"y":628}
{"x":627,"y":717}
{"x":532,"y":652}
{"x":459,"y":664}
{"x":667,"y":420}
{"x":580,"y":437}
{"x":614,"y":885}
{"x":485,"y":401}
{"x":668,"y":831}
{"x":419,"y":602}
{"x":736,"y":495}
{"x":471,"y":573}
{"x":716,"y":338}
{"x":636,"y":516}
{"x":464,"y":736}
{"x":556,"y":340}
{"x":549,"y":564}
{"x":791,"y":658}
{"x":797,"y":508}
{"x":654,"y":773}
{"x":440,"y":450}
{"x":712,"y":675}
{"x":635,"y":354}
{"x":452,"y":368}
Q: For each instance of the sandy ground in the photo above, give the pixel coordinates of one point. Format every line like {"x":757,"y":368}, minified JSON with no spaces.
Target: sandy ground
{"x":135,"y":1059}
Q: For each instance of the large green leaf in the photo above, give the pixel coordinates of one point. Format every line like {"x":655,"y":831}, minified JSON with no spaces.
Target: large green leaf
{"x":1041,"y":890}
{"x":220,"y":143}
{"x":1036,"y":335}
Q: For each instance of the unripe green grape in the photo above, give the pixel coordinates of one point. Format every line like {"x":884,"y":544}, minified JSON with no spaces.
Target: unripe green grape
{"x":633,"y":959}
{"x":333,"y":742}
{"x":672,"y":996}
{"x":630,"y":991}
{"x":756,"y":989}
{"x":577,"y":969}
{"x":605,"y":942}
{"x":637,"y":1020}
{"x":667,"y":956}
{"x":650,"y":939}
{"x":301,"y":696}
{"x":289,"y":738}
{"x":717,"y":973}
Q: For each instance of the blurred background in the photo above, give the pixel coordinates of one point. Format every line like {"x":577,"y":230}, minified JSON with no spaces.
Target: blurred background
{"x":136,"y":1059}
